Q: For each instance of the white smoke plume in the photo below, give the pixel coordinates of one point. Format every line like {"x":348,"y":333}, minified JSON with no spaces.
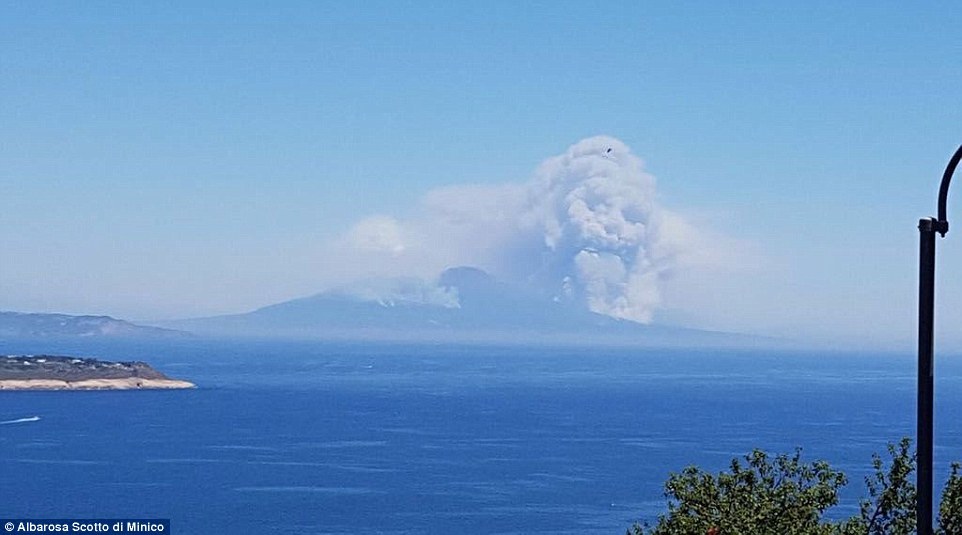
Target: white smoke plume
{"x":587,"y":228}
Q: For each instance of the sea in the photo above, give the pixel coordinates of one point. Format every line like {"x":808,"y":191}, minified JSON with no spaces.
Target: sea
{"x":371,"y":438}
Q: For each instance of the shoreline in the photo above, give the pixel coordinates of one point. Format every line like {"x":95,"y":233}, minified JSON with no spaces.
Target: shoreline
{"x":126,"y":383}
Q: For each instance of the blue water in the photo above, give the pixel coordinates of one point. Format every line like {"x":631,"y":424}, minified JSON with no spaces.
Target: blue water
{"x":302,"y":438}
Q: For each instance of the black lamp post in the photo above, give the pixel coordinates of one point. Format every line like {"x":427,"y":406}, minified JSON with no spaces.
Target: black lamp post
{"x":927,"y":229}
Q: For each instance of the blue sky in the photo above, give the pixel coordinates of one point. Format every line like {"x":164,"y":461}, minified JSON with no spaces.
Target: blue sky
{"x":163,"y":160}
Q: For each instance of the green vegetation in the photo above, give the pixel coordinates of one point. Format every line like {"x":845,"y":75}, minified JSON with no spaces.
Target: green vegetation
{"x":761,"y":495}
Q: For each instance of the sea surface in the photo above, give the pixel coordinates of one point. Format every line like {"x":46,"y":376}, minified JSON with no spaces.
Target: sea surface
{"x":311,"y":438}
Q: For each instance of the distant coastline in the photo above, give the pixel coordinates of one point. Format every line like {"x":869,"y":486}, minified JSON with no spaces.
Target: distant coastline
{"x":47,"y":372}
{"x":47,"y":326}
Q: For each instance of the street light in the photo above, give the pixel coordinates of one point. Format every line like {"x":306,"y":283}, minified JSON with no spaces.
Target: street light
{"x":927,"y":229}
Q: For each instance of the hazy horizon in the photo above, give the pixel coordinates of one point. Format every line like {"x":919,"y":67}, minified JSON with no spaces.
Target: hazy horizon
{"x":769,"y":163}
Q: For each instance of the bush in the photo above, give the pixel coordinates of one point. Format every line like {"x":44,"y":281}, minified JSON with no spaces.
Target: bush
{"x":761,"y":495}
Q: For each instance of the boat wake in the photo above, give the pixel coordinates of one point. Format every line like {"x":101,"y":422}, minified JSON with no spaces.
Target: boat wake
{"x":21,"y":420}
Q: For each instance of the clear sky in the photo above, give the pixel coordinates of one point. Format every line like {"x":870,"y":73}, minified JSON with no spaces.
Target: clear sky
{"x":163,"y":160}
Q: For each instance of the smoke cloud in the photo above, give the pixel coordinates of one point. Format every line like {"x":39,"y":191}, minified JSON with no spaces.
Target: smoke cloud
{"x":587,"y":228}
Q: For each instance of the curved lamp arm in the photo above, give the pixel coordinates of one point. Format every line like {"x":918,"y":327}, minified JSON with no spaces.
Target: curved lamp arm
{"x":942,"y":224}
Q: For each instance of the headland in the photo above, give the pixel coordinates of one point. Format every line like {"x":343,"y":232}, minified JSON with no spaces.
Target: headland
{"x":47,"y":372}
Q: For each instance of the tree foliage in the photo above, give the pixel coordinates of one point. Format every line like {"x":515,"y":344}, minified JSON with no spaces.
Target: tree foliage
{"x":890,"y":509}
{"x":950,"y":510}
{"x":781,"y":495}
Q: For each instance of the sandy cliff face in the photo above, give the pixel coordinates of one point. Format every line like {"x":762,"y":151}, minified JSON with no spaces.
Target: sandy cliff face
{"x":130,"y":383}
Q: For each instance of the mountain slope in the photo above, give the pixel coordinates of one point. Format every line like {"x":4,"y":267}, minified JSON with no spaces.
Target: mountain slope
{"x":465,"y":304}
